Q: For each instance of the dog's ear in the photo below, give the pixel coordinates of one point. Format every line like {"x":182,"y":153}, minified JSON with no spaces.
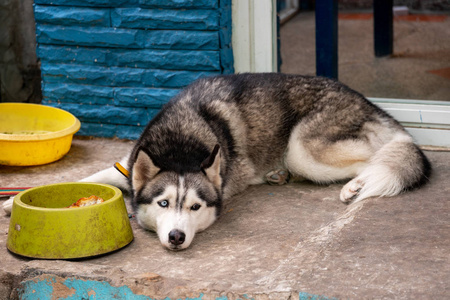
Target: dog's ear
{"x":211,"y":167}
{"x":144,"y":170}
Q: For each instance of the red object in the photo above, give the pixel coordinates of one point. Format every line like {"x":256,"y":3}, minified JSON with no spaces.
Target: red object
{"x":11,"y":191}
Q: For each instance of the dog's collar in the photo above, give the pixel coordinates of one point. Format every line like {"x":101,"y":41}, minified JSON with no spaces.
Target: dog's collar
{"x":122,"y":170}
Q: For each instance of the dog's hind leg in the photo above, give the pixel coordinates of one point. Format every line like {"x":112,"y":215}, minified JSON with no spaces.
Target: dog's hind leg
{"x":397,"y":166}
{"x":282,"y":176}
{"x":322,"y":161}
{"x":278,"y":177}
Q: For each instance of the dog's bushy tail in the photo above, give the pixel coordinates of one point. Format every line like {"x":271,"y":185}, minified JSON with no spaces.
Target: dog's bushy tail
{"x":396,"y":167}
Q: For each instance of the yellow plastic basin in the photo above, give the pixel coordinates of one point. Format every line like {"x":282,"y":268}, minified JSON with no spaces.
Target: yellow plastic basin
{"x":33,"y":134}
{"x":42,"y":227}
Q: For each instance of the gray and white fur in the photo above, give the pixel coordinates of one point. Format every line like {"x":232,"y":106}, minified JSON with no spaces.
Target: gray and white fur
{"x":221,"y":134}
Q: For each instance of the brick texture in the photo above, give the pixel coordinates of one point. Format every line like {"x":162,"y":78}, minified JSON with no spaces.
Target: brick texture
{"x":114,"y":63}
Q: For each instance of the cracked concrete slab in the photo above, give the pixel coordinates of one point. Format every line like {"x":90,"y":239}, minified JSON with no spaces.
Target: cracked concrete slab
{"x":271,"y":242}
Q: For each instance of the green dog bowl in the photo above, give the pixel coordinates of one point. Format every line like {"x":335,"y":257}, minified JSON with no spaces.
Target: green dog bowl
{"x":42,"y":226}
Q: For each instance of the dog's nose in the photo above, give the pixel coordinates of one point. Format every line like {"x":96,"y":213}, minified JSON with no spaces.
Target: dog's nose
{"x":176,"y":237}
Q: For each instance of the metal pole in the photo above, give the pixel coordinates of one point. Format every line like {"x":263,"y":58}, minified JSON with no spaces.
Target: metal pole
{"x":383,"y":27}
{"x":327,"y":38}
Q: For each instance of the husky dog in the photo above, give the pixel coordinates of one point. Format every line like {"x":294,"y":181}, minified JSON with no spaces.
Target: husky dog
{"x":221,"y":134}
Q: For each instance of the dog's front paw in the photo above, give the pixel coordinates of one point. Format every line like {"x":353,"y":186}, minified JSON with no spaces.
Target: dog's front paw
{"x":7,"y":206}
{"x":351,"y":190}
{"x":278,"y":177}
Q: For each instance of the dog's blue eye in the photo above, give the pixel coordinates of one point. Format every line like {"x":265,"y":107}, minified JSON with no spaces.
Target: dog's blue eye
{"x":196,"y":206}
{"x":163,"y":203}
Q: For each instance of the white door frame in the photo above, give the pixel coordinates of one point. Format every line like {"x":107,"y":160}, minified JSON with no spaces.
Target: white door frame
{"x":254,"y":35}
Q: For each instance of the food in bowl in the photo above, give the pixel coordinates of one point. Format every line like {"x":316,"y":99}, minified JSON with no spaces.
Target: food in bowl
{"x":87,"y":201}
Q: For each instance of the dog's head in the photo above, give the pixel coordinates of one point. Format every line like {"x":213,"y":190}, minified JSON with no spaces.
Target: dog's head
{"x":176,"y":206}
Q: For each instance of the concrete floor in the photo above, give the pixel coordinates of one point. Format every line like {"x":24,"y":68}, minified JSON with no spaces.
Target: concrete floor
{"x":271,"y":242}
{"x":290,"y":242}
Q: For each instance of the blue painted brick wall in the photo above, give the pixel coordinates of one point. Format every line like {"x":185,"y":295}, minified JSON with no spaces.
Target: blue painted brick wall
{"x":114,"y":63}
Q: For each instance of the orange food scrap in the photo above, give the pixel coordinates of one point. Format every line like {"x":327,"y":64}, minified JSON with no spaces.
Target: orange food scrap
{"x":87,"y":201}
